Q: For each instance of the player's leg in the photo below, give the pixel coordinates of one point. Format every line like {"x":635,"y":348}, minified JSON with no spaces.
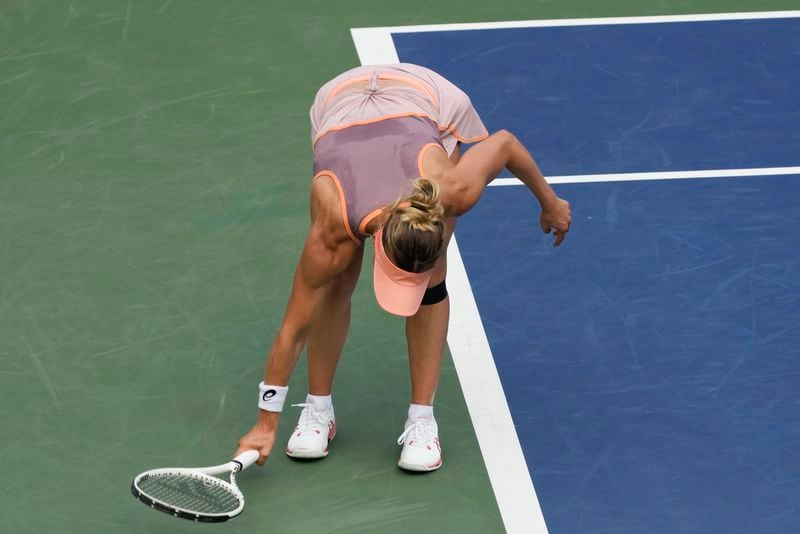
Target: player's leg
{"x":317,"y":424}
{"x":329,"y":332}
{"x":426,"y":333}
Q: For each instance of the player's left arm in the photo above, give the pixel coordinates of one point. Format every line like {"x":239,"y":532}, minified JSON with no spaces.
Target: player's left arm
{"x":483,"y":162}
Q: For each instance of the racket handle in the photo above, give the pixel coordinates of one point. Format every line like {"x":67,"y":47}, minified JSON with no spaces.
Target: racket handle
{"x":247,"y":458}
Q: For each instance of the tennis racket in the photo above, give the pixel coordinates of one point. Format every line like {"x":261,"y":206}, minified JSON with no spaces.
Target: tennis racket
{"x":194,"y":493}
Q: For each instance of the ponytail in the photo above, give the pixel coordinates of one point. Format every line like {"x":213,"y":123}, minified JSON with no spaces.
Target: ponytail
{"x":413,"y":235}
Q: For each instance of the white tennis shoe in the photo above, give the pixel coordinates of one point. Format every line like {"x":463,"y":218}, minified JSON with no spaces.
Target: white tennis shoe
{"x":314,"y":430}
{"x":421,"y":448}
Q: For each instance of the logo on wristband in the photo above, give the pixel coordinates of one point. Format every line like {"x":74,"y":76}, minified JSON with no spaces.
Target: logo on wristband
{"x":267,"y":396}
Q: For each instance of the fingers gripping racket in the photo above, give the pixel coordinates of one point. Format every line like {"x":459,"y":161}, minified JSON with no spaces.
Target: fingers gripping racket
{"x":195,"y":493}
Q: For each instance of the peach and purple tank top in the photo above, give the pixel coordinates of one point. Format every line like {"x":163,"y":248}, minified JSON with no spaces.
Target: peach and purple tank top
{"x":371,"y":139}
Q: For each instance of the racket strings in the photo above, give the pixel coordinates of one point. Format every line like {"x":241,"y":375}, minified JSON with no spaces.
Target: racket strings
{"x":191,"y":493}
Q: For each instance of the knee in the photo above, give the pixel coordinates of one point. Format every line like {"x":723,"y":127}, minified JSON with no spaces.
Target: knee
{"x":435,"y":294}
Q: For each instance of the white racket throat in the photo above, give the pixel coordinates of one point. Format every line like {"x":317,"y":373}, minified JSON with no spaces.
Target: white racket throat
{"x":195,"y":493}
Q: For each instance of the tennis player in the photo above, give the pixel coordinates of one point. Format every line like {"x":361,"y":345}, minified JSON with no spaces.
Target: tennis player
{"x":387,"y":165}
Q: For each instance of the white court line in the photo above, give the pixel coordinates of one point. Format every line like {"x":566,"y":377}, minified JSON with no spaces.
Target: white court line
{"x":662,"y":175}
{"x":487,"y":405}
{"x":602,"y":21}
{"x":375,"y":45}
{"x":472,"y":356}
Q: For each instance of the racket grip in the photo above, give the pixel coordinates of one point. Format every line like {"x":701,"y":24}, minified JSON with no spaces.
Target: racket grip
{"x":247,"y":458}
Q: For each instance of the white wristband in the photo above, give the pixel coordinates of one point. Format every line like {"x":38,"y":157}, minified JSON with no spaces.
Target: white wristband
{"x":271,"y":398}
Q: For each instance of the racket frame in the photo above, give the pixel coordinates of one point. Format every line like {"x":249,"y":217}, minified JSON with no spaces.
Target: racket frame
{"x":238,"y":464}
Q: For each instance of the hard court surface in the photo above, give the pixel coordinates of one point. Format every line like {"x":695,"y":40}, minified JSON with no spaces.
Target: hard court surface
{"x":154,"y":171}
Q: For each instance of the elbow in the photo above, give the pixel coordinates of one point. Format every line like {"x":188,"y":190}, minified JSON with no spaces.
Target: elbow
{"x":466,"y":197}
{"x":506,"y":137}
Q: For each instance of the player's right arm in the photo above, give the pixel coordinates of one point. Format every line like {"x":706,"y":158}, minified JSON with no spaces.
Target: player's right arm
{"x":328,"y":251}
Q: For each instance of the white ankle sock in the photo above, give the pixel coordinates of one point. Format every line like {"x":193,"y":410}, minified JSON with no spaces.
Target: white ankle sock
{"x":420,"y":411}
{"x":320,"y":401}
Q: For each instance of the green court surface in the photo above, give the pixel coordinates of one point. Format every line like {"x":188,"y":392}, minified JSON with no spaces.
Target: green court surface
{"x":154,"y":170}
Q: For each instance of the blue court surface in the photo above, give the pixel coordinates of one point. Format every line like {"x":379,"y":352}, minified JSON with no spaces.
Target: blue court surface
{"x":651,"y":363}
{"x":632,"y":97}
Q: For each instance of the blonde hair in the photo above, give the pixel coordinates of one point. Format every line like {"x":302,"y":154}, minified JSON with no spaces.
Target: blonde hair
{"x":413,"y":234}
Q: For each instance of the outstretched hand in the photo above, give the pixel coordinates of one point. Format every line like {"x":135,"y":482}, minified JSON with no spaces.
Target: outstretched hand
{"x":261,"y":438}
{"x":556,"y":218}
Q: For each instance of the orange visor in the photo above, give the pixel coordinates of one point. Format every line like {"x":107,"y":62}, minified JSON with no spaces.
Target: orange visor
{"x":397,"y":291}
